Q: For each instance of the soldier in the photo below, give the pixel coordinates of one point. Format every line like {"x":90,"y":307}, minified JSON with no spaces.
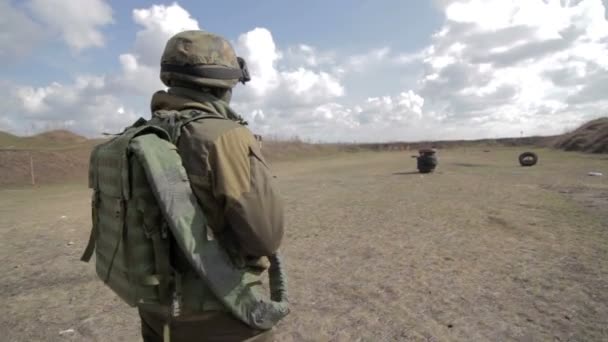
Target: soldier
{"x":185,"y":216}
{"x":229,"y":177}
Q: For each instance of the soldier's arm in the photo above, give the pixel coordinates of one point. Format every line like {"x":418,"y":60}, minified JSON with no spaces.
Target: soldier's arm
{"x":243,"y":183}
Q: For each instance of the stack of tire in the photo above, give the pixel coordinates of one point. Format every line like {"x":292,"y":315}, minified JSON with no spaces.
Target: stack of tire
{"x":427,"y":160}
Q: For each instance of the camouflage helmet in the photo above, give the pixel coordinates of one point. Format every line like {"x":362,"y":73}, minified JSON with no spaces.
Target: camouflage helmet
{"x":202,"y":59}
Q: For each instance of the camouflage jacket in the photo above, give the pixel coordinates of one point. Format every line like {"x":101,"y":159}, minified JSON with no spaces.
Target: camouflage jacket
{"x":231,"y":180}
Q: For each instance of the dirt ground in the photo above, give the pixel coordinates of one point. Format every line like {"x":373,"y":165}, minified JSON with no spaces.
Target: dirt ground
{"x":482,"y":250}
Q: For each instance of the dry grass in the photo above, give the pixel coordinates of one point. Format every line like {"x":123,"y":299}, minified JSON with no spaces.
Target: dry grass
{"x":58,"y":139}
{"x":61,"y":155}
{"x":294,"y":149}
{"x":57,"y":156}
{"x":49,"y":166}
{"x":482,"y":250}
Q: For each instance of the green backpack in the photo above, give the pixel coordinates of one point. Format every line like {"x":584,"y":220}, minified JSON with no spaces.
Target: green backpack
{"x":143,"y":206}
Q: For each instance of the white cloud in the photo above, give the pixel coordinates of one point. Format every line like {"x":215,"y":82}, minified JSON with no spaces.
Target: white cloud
{"x":261,"y":54}
{"x":362,"y":62}
{"x":84,"y":106}
{"x":408,"y":58}
{"x":140,"y":66}
{"x":308,"y":85}
{"x":78,"y":21}
{"x":273,"y":87}
{"x":295,"y":95}
{"x":136,"y":78}
{"x":45,"y":100}
{"x":404,"y":108}
{"x":518,"y":64}
{"x":289,"y":96}
{"x":300,"y":92}
{"x":96,"y":104}
{"x":32,"y":99}
{"x":159,"y":23}
{"x":18,"y":33}
{"x":494,"y":68}
{"x":309,"y":56}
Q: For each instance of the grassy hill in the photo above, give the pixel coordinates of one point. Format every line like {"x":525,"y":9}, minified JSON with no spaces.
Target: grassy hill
{"x":7,"y":139}
{"x":57,"y":139}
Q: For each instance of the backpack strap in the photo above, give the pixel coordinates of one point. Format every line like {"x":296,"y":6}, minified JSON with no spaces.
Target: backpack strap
{"x":90,"y":248}
{"x":93,"y":184}
{"x":172,"y":121}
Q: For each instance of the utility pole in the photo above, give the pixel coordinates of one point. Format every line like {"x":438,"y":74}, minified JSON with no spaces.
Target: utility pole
{"x":32,"y":168}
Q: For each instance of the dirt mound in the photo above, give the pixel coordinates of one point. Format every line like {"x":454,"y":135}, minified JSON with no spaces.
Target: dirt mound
{"x":43,"y":141}
{"x":53,"y":156}
{"x":50,"y":166}
{"x":591,"y":137}
{"x":61,"y":136}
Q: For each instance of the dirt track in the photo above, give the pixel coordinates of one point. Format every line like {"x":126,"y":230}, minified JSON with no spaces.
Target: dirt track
{"x":483,"y":250}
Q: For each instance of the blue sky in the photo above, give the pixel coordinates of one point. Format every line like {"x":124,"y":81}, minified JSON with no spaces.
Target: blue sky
{"x":323,"y":70}
{"x":347,"y":26}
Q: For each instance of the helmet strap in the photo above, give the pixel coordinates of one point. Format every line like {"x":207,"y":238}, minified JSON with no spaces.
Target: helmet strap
{"x":210,"y":71}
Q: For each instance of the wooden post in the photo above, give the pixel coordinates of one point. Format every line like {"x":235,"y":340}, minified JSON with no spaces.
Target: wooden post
{"x":32,"y":169}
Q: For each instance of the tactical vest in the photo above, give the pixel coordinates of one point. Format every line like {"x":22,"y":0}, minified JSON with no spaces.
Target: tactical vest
{"x":143,"y":206}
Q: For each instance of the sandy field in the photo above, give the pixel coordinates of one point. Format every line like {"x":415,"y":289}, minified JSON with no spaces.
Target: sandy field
{"x":481,"y":250}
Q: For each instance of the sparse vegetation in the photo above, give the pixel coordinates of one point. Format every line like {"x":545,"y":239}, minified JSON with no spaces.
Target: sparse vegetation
{"x":62,"y":155}
{"x":591,"y":137}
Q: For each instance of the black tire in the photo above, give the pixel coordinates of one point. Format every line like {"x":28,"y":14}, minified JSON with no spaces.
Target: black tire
{"x":528,"y":159}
